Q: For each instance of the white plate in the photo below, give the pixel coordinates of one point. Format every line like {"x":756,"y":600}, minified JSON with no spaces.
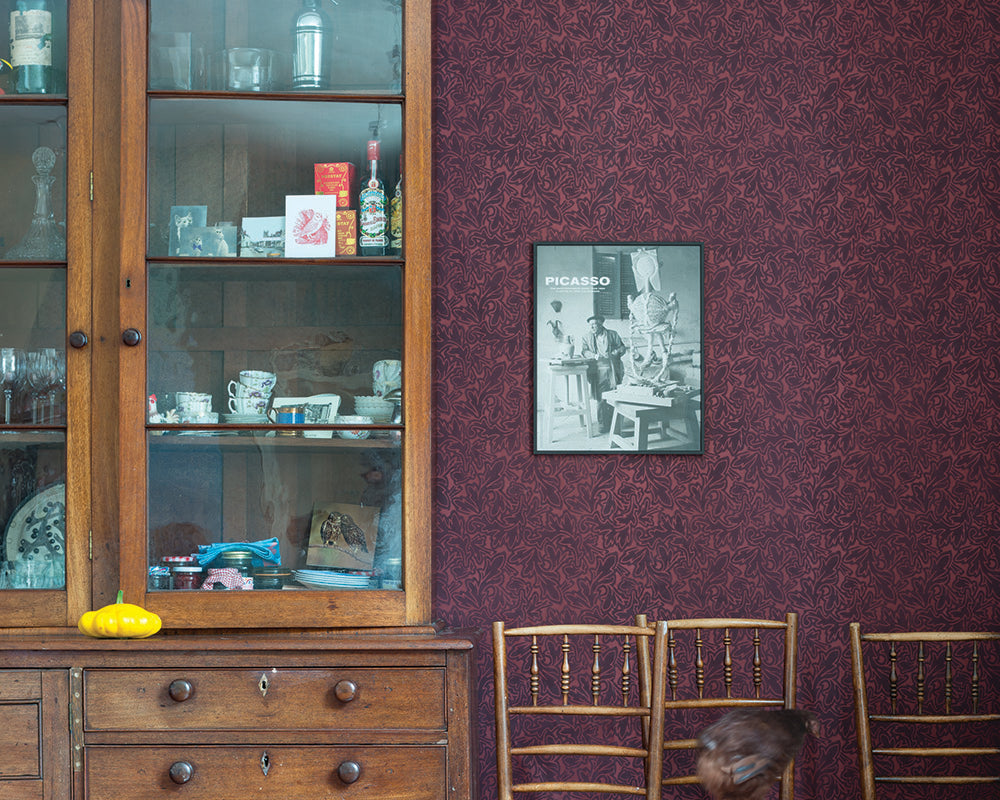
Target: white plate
{"x":37,"y":530}
{"x":332,"y":580}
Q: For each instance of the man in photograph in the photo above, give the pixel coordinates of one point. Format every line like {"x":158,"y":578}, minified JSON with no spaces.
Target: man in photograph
{"x":606,"y":348}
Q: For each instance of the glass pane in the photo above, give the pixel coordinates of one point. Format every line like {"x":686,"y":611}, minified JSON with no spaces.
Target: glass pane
{"x":225,"y":173}
{"x":327,"y":510}
{"x":267,"y":370}
{"x":33,"y":510}
{"x":33,"y":189}
{"x":35,"y":50}
{"x":33,"y":356}
{"x":261,"y":45}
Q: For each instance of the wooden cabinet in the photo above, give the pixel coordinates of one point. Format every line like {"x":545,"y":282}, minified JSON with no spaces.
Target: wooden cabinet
{"x":372,"y":715}
{"x":174,"y":377}
{"x":174,"y":170}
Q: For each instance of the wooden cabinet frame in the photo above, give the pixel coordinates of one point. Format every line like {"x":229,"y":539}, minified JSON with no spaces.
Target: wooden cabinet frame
{"x":118,"y":391}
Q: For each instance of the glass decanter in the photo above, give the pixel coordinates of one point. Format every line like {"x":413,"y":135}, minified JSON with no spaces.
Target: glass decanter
{"x":45,"y":240}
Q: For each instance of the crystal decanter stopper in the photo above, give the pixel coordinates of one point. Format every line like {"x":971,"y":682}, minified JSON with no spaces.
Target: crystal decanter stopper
{"x":45,"y":240}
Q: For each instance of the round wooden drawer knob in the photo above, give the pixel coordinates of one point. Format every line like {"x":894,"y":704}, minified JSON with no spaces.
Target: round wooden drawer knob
{"x":345,"y":691}
{"x":180,"y":690}
{"x":181,"y":772}
{"x":349,"y":771}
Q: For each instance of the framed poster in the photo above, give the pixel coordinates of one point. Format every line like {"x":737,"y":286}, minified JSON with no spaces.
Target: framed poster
{"x":618,"y":347}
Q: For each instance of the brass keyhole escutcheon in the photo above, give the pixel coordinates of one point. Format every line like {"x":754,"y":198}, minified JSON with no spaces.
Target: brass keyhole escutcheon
{"x":263,"y":685}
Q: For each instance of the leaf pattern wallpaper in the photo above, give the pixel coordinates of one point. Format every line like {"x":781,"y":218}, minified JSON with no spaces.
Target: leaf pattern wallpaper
{"x":839,"y":161}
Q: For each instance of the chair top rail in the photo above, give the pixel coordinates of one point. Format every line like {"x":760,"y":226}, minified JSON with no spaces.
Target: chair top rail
{"x":930,"y":636}
{"x":724,"y":622}
{"x":936,"y":752}
{"x":572,"y":749}
{"x":934,"y":719}
{"x":585,"y":711}
{"x":575,"y":786}
{"x":560,"y":630}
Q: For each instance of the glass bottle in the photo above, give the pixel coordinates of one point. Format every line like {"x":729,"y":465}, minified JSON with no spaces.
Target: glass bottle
{"x":312,"y":35}
{"x":396,"y":215}
{"x":373,"y":220}
{"x":45,"y":240}
{"x":31,"y":46}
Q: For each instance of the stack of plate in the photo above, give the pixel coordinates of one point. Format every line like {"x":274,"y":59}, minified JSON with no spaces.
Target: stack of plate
{"x":245,"y":419}
{"x":327,"y":579}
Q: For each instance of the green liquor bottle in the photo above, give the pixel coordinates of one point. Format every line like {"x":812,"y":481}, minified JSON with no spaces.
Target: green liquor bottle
{"x":31,"y":47}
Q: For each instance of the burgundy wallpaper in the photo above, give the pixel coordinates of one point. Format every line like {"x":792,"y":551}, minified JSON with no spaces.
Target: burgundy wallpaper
{"x":840,"y":163}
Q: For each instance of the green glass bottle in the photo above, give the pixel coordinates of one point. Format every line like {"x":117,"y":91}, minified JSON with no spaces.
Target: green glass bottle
{"x":31,"y":46}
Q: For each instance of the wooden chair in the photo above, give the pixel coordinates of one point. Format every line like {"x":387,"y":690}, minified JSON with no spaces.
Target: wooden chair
{"x":935,"y":710}
{"x":714,"y":665}
{"x":573,"y":710}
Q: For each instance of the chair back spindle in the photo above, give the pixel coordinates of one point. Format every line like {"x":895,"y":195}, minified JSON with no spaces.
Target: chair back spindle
{"x":921,"y":710}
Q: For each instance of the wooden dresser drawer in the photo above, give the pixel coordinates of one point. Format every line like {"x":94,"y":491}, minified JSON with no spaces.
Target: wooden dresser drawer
{"x":264,"y":699}
{"x":304,"y":772}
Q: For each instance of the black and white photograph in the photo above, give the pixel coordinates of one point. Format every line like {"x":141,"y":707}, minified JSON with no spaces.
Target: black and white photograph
{"x":182,"y":219}
{"x":262,"y":237}
{"x":218,"y":241}
{"x":618,"y":347}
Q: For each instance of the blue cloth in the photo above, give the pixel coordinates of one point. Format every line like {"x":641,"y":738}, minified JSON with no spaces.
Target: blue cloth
{"x":264,"y":551}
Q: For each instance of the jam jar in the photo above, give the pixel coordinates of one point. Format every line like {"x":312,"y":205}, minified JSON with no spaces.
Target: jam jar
{"x":241,"y":560}
{"x":271,"y":577}
{"x":186,"y":577}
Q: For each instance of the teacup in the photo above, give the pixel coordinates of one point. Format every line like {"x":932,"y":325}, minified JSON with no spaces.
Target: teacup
{"x":248,"y":405}
{"x":191,"y":405}
{"x":241,"y":390}
{"x":258,"y":379}
{"x":386,"y":376}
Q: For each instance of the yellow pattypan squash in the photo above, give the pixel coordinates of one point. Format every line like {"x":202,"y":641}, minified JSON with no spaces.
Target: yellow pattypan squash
{"x":120,"y":621}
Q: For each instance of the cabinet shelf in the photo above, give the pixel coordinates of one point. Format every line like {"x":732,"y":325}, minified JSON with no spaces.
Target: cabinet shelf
{"x":235,"y":438}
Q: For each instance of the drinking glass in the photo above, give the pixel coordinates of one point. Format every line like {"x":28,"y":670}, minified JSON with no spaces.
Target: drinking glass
{"x":10,"y":364}
{"x":37,"y":377}
{"x":55,"y":364}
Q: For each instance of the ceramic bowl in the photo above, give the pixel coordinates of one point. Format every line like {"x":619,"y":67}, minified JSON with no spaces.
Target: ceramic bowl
{"x":375,"y":407}
{"x":354,"y":419}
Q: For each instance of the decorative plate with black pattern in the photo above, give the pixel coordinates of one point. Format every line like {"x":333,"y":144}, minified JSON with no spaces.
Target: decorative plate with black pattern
{"x":37,"y":529}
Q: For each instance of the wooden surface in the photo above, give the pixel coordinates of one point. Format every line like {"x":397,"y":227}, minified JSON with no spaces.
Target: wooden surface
{"x":398,"y":705}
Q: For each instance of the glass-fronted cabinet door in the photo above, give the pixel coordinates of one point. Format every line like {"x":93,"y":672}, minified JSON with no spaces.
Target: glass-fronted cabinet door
{"x":275,"y":314}
{"x":44,"y":312}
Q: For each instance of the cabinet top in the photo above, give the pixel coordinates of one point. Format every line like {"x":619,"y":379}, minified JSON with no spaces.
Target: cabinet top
{"x":424,"y":639}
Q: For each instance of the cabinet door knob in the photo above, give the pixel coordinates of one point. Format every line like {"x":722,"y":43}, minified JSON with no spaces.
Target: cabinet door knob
{"x":345,"y":691}
{"x":131,"y":337}
{"x":181,"y":772}
{"x":78,"y":339}
{"x":349,"y":771}
{"x":180,"y":690}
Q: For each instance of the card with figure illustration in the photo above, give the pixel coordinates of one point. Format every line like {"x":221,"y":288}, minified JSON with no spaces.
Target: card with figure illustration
{"x":262,"y":237}
{"x":342,"y":536}
{"x":182,"y":218}
{"x":217,"y":241}
{"x":310,"y":226}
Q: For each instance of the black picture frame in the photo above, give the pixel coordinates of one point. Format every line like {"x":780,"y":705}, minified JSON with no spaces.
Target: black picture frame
{"x":635,"y":386}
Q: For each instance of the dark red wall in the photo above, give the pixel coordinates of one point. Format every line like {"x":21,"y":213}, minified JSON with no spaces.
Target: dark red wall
{"x":840,"y":163}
